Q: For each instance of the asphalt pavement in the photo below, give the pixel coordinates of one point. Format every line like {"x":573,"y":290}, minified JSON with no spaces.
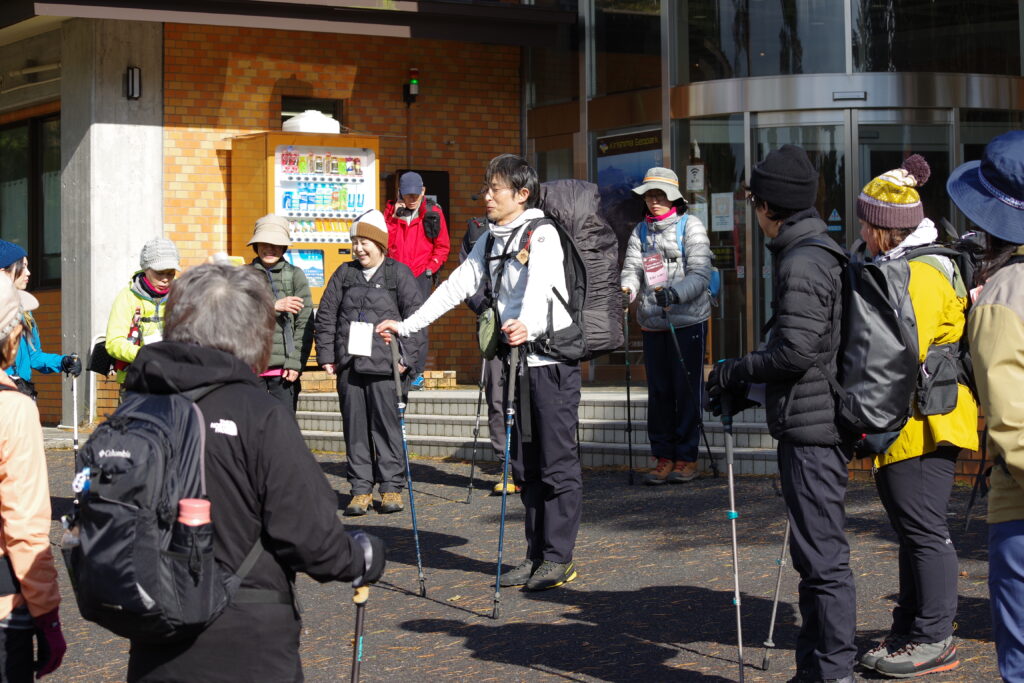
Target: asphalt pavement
{"x":653,"y":600}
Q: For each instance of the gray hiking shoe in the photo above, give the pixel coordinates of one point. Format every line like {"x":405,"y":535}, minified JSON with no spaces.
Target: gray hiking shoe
{"x":885,"y":647}
{"x":521,"y":574}
{"x":917,"y":659}
{"x":551,"y":575}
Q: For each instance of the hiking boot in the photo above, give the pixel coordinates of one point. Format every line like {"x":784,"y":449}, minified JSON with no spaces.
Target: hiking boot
{"x":416,"y":384}
{"x":551,"y":575}
{"x":886,"y":647}
{"x":391,"y":501}
{"x":918,"y":659}
{"x":507,"y":483}
{"x":359,"y":505}
{"x":521,"y":574}
{"x":660,"y":473}
{"x":683,"y":472}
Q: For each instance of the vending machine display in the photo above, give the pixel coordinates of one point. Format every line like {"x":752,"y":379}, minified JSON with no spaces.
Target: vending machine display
{"x":322,"y":189}
{"x":320,"y":182}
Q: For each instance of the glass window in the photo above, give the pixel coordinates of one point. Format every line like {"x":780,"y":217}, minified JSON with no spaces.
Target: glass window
{"x":30,"y":194}
{"x":709,"y":161}
{"x":977,"y":128}
{"x":554,"y":76}
{"x":15,"y":169}
{"x":826,"y":147}
{"x":937,"y":35}
{"x":553,"y":164}
{"x":884,"y":146}
{"x":627,"y":41}
{"x":746,"y":38}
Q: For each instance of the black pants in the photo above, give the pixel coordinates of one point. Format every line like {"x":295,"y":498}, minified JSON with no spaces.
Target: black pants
{"x":814,"y":482}
{"x":547,"y":468}
{"x":426,"y":285}
{"x":915,"y":494}
{"x":494,"y":394}
{"x":674,"y":392}
{"x":285,"y":392}
{"x":16,"y":653}
{"x":369,"y":413}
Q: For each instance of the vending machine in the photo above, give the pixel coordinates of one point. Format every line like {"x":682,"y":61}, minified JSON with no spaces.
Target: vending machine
{"x":319,"y":182}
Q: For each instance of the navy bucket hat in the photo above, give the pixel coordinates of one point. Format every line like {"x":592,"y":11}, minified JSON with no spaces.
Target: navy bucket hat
{"x":990,"y":192}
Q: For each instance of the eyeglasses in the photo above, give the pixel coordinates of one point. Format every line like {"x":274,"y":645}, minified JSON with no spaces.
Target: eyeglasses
{"x":488,"y":190}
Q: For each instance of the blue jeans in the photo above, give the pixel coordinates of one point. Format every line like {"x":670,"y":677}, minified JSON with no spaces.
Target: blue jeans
{"x":1006,"y":594}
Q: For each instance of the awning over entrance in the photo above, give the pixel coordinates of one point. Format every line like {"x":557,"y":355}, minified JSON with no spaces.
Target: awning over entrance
{"x":505,"y":23}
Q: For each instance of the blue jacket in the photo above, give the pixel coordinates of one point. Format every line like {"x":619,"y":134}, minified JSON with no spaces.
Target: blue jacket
{"x":32,"y":357}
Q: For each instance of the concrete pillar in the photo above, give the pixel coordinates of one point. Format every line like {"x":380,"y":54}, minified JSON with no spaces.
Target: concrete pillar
{"x":112,"y":172}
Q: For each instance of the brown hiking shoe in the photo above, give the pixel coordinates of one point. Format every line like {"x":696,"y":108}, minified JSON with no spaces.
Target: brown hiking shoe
{"x":683,"y":472}
{"x":391,"y":502}
{"x":359,"y":505}
{"x":660,"y":473}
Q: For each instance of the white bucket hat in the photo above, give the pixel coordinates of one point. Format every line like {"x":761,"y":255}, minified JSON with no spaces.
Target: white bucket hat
{"x":664,"y":179}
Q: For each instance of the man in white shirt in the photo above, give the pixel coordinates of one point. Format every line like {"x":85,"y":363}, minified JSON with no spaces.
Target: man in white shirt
{"x":522,"y":256}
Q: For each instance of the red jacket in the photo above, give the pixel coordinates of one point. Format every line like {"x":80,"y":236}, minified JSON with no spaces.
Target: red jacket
{"x":408,"y":244}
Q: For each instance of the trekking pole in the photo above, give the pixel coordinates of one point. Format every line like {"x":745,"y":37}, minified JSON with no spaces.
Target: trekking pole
{"x":629,"y":398}
{"x":769,"y":643}
{"x":698,"y":408}
{"x":476,"y":430}
{"x":408,"y":468}
{"x":359,"y":597}
{"x":510,"y":416}
{"x":74,"y":414}
{"x":979,"y":479}
{"x":733,"y":515}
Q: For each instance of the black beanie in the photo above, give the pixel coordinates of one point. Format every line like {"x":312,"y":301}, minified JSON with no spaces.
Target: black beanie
{"x":786,"y":178}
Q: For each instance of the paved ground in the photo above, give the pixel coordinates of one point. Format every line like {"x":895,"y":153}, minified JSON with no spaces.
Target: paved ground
{"x":653,"y":600}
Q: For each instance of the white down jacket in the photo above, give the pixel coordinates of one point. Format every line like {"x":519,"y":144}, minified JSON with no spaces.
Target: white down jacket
{"x":688,"y":273}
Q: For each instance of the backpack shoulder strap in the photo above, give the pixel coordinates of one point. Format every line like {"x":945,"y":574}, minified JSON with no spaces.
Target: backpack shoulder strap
{"x":680,"y":234}
{"x":289,"y":279}
{"x":956,"y":280}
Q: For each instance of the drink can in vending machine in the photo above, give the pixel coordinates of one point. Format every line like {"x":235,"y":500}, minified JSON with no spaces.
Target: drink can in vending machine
{"x":318,"y":163}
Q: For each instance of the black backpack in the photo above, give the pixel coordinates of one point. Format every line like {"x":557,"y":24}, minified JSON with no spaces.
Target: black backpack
{"x":879,"y":373}
{"x":591,"y":268}
{"x":135,"y":569}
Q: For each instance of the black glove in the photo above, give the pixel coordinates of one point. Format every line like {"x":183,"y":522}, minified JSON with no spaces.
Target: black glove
{"x":375,"y":556}
{"x":626,"y":298}
{"x":665,"y":297}
{"x":721,"y":383}
{"x":71,"y":364}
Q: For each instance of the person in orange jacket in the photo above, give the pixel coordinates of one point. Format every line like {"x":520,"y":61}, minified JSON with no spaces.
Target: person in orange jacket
{"x":29,"y":596}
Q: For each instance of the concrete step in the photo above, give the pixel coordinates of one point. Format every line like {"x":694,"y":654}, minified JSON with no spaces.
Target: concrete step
{"x":440,"y":424}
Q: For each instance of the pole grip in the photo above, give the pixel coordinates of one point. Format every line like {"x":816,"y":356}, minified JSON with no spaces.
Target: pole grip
{"x":360,"y":595}
{"x":394,"y":365}
{"x":513,"y":367}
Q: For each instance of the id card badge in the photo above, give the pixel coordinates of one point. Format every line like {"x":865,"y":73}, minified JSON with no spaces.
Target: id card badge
{"x":655,"y":271}
{"x":360,"y":339}
{"x":153,"y":337}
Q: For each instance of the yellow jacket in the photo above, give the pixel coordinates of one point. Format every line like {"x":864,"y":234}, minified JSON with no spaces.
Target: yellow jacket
{"x":25,"y":505}
{"x":940,"y":320}
{"x":129,"y":300}
{"x":996,"y":331}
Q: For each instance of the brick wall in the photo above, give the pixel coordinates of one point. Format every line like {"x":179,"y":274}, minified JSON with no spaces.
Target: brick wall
{"x":221,"y":82}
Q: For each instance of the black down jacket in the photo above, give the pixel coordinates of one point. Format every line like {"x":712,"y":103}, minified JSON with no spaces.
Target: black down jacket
{"x":391,"y":294}
{"x":805,"y":326}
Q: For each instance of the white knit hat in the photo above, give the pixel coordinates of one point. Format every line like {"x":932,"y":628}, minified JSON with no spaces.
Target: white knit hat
{"x":13,"y":304}
{"x":159,"y":254}
{"x":372,"y":226}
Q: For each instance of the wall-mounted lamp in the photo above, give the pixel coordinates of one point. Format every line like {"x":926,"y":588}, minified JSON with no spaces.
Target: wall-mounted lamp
{"x":133,"y":83}
{"x":411,"y":88}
